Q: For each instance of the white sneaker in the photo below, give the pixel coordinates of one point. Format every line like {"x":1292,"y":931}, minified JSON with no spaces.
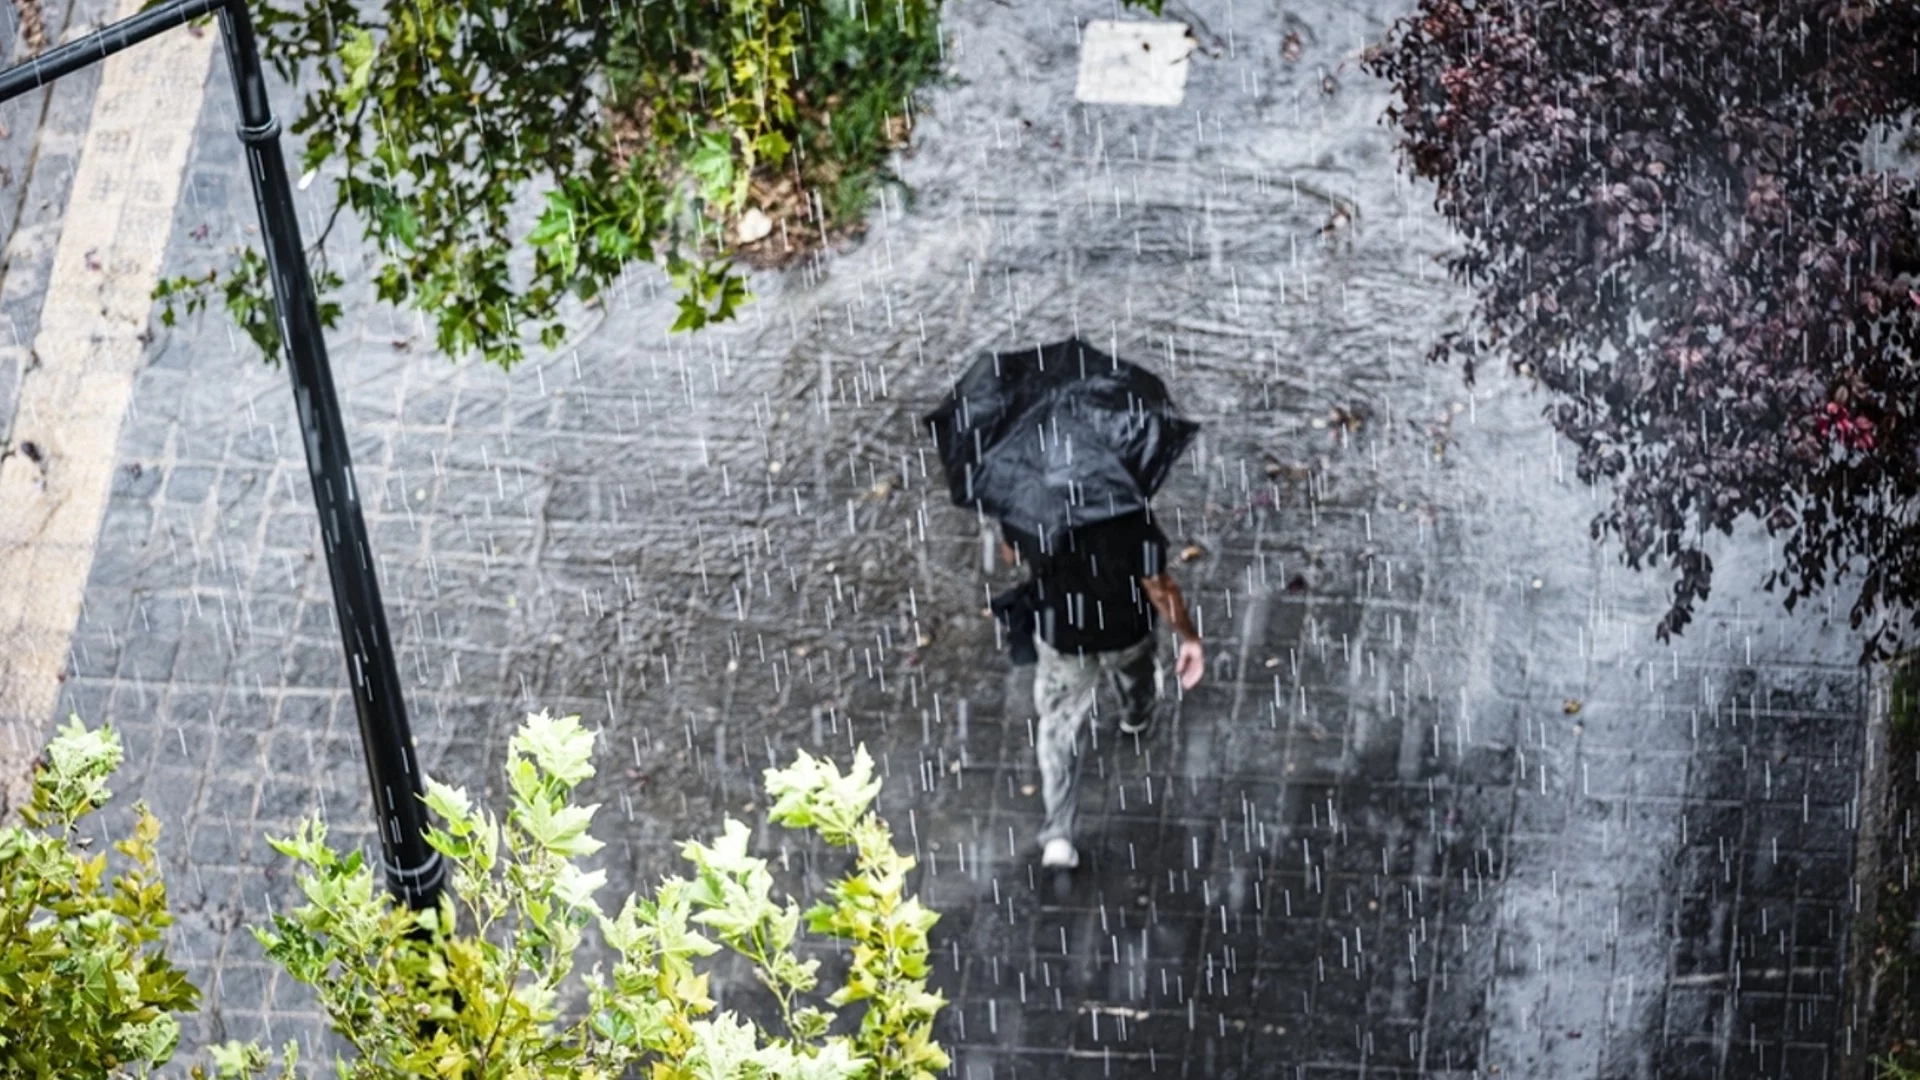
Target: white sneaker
{"x":1141,"y":726}
{"x":1059,"y":854}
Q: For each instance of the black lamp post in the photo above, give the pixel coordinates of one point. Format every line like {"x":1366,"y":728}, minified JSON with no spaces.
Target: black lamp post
{"x":415,"y":872}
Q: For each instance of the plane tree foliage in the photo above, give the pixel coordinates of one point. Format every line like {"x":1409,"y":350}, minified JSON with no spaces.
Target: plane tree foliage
{"x":1687,"y":220}
{"x":696,"y":136}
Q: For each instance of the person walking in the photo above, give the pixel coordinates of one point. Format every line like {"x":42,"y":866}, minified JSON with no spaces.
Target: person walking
{"x":1065,"y":446}
{"x":1090,"y":603}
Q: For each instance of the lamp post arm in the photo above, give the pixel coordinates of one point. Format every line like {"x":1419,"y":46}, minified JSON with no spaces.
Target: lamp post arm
{"x":66,"y":59}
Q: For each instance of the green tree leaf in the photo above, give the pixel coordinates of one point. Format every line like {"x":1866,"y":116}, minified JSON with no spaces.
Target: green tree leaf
{"x":357,"y":52}
{"x":560,"y":829}
{"x":560,"y":747}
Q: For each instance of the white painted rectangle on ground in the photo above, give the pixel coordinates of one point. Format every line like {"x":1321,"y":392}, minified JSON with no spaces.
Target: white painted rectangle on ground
{"x":1133,"y":63}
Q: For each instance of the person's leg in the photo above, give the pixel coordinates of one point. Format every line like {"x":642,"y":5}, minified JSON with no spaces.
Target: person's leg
{"x":1134,"y":674}
{"x":1063,"y":688}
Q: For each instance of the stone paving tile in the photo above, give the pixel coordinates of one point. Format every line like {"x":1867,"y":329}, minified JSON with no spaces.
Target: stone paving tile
{"x":1375,"y":843}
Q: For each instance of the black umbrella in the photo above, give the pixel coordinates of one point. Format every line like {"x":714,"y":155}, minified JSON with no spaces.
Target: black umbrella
{"x":1057,"y":436}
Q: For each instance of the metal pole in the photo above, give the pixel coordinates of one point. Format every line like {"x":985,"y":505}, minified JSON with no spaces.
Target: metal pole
{"x":415,"y":872}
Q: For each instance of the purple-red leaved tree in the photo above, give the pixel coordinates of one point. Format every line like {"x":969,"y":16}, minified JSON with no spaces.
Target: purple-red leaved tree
{"x":1681,"y":217}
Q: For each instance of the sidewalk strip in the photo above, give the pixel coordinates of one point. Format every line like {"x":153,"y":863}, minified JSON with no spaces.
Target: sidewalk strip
{"x":71,"y":404}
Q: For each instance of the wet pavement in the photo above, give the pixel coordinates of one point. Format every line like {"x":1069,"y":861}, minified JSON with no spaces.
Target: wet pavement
{"x":1442,"y":807}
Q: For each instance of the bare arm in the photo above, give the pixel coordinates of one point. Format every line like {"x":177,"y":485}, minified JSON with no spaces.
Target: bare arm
{"x":1165,"y":597}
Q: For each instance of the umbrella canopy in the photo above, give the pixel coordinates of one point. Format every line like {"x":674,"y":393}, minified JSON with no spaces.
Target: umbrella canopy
{"x":1057,"y":436}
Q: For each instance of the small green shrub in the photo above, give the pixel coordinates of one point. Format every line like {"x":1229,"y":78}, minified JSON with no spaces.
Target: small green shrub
{"x":472,"y":989}
{"x":1887,"y":1068}
{"x":84,"y":990}
{"x":1903,"y":690}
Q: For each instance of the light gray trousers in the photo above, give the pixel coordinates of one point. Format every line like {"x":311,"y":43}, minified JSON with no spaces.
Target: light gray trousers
{"x":1065,"y":691}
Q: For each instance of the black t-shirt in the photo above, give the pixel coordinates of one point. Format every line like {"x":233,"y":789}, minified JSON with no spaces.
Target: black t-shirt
{"x":1087,"y":581}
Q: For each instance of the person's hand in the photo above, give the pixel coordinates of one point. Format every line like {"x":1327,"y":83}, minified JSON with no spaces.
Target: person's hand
{"x":1191,"y":664}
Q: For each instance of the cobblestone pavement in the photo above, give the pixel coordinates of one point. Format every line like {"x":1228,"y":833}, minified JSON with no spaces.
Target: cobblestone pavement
{"x":1442,"y":808}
